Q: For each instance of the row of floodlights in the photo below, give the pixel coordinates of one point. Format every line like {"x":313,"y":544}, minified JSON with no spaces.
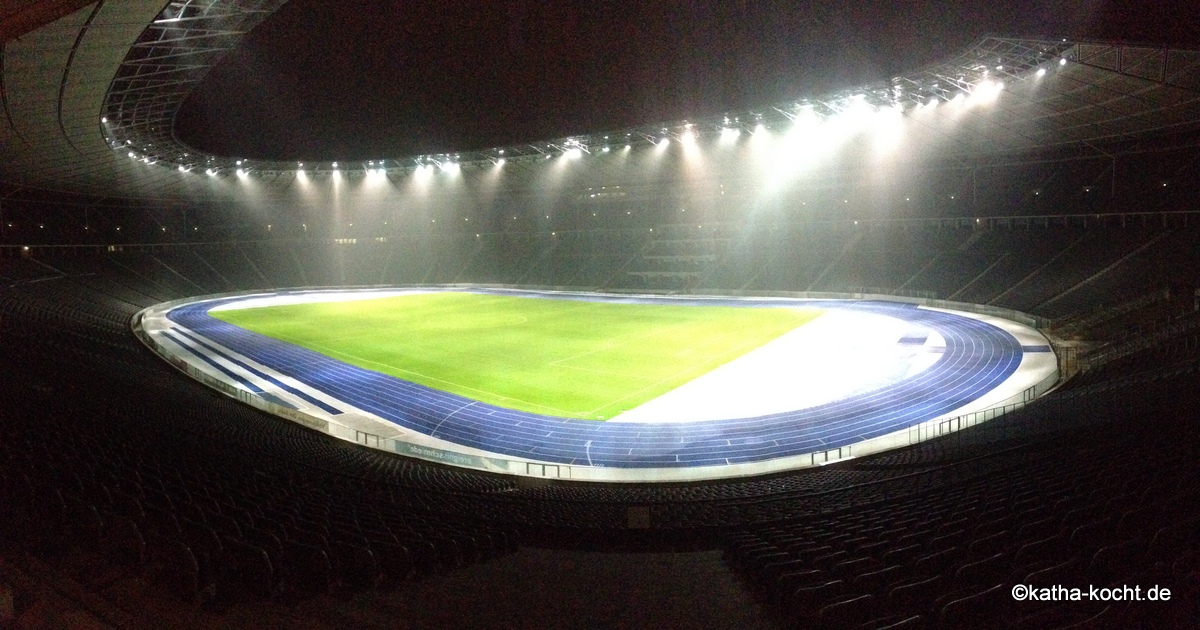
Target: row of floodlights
{"x":570,"y":149}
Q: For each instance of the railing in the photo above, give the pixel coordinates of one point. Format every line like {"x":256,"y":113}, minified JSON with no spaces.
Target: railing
{"x":1127,"y":347}
{"x":929,"y":295}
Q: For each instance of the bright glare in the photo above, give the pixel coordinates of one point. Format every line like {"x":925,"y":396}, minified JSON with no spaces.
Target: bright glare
{"x":1041,"y":72}
{"x":887,"y":130}
{"x":730,"y":134}
{"x":986,"y":91}
{"x":573,"y":154}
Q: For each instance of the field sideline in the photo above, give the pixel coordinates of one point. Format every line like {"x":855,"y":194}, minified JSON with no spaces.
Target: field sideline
{"x":569,"y":358}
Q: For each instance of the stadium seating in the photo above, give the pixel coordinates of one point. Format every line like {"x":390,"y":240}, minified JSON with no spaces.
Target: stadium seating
{"x":107,"y":452}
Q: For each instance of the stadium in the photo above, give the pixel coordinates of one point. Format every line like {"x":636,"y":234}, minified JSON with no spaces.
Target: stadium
{"x":876,"y":357}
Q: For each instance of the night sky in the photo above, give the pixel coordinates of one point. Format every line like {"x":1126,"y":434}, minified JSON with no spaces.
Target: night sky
{"x":362,"y":79}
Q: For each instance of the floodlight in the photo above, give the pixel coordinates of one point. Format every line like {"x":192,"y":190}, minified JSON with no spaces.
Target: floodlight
{"x":104,"y":119}
{"x":1062,"y":62}
{"x":1041,"y":72}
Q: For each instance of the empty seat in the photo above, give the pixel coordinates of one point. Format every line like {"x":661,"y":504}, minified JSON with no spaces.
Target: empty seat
{"x":247,"y":571}
{"x":304,"y":570}
{"x":848,"y":612}
{"x":123,"y":544}
{"x":173,"y":565}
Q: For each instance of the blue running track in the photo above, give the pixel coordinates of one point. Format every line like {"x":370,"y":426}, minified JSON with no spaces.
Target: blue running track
{"x":978,"y":357}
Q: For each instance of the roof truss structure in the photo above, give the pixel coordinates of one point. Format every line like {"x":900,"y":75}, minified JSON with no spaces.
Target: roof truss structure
{"x":90,"y":102}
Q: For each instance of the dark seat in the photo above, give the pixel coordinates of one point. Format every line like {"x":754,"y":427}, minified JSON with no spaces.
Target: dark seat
{"x":982,"y":609}
{"x":248,"y":571}
{"x":207,"y":548}
{"x":848,"y":612}
{"x":123,"y":544}
{"x":915,"y":596}
{"x":304,"y":570}
{"x":983,"y":571}
{"x":393,"y":559}
{"x":173,"y":565}
{"x":893,"y":622}
{"x":84,"y":525}
{"x":1041,"y":552}
{"x":807,"y":601}
{"x":354,"y":565}
{"x":1116,"y":562}
{"x":875,"y":581}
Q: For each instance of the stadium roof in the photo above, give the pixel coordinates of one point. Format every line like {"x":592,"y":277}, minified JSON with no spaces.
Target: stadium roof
{"x":90,"y":101}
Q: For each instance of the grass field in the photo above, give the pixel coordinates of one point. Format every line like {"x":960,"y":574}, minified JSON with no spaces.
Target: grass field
{"x":568,"y":358}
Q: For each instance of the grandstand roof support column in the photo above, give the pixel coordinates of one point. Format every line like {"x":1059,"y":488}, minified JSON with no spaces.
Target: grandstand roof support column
{"x":975,"y":188}
{"x":1112,"y":192}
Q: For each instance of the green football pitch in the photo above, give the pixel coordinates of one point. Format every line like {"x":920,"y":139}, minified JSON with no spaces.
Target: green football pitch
{"x":570,"y":358}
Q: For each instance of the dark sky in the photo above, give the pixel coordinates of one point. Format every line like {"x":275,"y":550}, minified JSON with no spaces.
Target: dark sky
{"x":361,"y":79}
